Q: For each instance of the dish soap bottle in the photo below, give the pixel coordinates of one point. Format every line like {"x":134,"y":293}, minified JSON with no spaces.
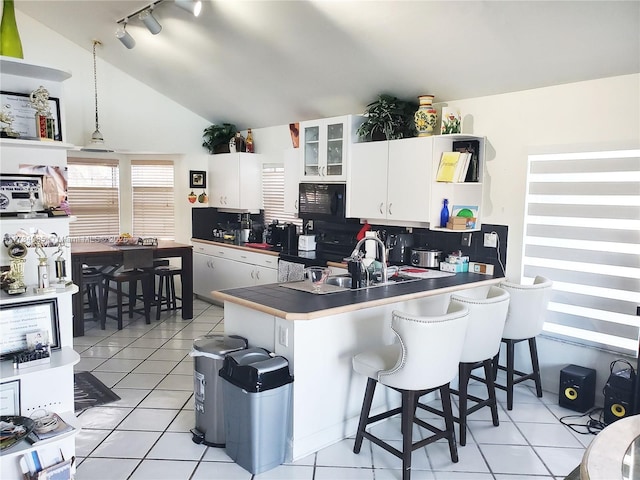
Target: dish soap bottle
{"x":444,"y":213}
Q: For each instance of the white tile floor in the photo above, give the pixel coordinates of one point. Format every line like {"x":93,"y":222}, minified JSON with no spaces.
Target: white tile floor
{"x":145,"y":435}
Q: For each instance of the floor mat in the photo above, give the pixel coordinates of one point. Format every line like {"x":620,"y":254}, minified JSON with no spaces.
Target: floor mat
{"x":89,"y":392}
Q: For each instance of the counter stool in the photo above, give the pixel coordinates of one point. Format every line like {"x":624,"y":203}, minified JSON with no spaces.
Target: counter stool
{"x":482,"y":342}
{"x":118,"y":278}
{"x":425,"y":359}
{"x":92,"y":281}
{"x":527,"y":308}
{"x":166,"y":275}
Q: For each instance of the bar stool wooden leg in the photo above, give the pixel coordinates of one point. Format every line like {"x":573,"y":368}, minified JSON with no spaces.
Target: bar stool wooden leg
{"x":464,"y":371}
{"x":105,"y":300}
{"x":536,"y":368}
{"x":408,"y":413}
{"x":510,"y":372}
{"x":445,"y":395}
{"x":491,"y":391}
{"x":364,"y":413}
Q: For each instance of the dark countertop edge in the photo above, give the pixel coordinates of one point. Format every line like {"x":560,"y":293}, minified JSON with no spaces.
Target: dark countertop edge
{"x":353,"y":305}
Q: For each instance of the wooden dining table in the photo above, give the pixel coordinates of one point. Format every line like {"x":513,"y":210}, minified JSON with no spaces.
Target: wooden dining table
{"x":105,"y":254}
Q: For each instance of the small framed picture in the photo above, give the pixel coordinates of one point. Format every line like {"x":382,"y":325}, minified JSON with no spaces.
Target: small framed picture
{"x":197,"y":179}
{"x":10,"y":398}
{"x":19,"y":319}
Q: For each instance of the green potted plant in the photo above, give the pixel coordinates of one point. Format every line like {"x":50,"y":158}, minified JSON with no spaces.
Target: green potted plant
{"x":388,"y":118}
{"x":216,"y":137}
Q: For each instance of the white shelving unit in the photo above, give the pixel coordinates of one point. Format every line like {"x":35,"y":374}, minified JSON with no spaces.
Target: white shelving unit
{"x":48,"y":386}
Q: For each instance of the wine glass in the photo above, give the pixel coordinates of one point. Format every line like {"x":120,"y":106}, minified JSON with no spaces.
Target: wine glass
{"x":318,"y":276}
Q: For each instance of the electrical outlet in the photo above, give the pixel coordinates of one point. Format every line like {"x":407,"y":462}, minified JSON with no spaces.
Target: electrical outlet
{"x":283,"y":336}
{"x":491,"y":240}
{"x":466,"y":239}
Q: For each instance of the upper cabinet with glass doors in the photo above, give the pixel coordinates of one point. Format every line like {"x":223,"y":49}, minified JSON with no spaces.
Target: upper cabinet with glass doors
{"x":324,"y":148}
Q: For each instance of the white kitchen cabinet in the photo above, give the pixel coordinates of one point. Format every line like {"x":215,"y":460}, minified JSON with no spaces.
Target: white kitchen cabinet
{"x":389,"y":180}
{"x":218,"y":267}
{"x":394,"y":181}
{"x":291,"y":159}
{"x":324,"y":148}
{"x":235,"y":181}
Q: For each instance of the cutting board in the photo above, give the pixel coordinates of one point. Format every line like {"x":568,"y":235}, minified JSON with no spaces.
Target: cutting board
{"x":305,"y":286}
{"x":416,"y":272}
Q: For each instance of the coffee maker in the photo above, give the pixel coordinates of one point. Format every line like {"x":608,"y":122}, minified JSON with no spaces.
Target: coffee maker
{"x":289,"y":238}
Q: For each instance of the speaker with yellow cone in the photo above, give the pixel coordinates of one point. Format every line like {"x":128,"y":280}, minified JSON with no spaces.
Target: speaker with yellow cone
{"x":577,"y":388}
{"x":618,"y":393}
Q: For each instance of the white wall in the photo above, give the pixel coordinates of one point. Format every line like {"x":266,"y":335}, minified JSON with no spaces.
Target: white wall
{"x":599,"y":112}
{"x":133,"y":117}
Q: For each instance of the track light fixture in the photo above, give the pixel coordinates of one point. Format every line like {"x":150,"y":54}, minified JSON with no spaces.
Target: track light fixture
{"x":145,"y":15}
{"x":150,"y":21}
{"x":192,"y":6}
{"x":126,"y":39}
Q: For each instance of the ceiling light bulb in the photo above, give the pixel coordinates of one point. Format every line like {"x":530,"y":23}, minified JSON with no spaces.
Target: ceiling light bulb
{"x":150,"y":21}
{"x":191,"y":6}
{"x":126,"y":39}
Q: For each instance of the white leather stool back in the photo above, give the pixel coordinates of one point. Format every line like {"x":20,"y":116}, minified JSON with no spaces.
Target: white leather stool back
{"x":486,"y":323}
{"x":430,"y":349}
{"x":527,"y":308}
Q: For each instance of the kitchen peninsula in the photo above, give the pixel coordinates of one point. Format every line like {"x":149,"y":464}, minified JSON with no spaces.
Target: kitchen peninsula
{"x":319,"y":334}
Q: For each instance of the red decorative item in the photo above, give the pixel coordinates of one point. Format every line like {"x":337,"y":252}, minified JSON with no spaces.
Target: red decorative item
{"x":365,"y":228}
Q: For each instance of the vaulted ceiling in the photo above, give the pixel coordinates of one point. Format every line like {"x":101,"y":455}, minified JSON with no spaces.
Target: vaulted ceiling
{"x":260,"y":63}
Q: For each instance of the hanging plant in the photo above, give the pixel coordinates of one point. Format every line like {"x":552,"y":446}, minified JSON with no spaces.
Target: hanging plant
{"x":388,"y":118}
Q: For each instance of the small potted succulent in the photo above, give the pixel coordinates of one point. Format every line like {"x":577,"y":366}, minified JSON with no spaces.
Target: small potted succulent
{"x":216,"y":137}
{"x":388,"y":118}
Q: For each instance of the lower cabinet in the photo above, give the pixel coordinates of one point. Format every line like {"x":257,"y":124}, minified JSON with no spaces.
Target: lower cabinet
{"x":217,"y":267}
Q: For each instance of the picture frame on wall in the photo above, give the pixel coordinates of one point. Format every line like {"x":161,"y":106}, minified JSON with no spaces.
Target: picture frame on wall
{"x":19,"y":319}
{"x":18,"y":105}
{"x":197,"y":179}
{"x":10,"y":398}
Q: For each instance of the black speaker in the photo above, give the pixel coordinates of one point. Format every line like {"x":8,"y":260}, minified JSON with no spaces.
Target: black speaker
{"x":577,"y":388}
{"x":618,"y":393}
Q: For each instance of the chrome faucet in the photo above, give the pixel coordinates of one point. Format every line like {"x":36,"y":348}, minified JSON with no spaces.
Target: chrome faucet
{"x":356,"y":255}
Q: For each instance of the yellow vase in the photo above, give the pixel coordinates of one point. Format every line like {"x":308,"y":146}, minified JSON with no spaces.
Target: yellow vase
{"x":10,"y":44}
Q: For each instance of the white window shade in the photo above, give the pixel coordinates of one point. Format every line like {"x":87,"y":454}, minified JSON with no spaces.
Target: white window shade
{"x":273,"y":195}
{"x":582,"y":230}
{"x":153,"y":199}
{"x":93,"y":194}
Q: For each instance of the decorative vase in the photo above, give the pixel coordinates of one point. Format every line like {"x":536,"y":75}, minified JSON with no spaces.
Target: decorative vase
{"x":426,"y":117}
{"x":10,"y":44}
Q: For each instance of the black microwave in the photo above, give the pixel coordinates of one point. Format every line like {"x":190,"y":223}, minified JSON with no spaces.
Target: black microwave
{"x":322,"y":201}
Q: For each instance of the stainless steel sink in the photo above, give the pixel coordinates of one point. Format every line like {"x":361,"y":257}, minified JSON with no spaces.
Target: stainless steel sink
{"x":344,"y":281}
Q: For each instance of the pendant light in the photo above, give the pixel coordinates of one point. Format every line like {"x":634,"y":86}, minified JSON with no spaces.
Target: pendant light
{"x":97,"y":141}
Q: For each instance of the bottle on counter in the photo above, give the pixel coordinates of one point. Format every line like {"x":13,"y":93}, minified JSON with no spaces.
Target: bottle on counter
{"x":249,"y":141}
{"x":444,"y":213}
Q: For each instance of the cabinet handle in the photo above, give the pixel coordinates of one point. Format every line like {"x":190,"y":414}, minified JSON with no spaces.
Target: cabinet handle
{"x":295,"y":205}
{"x":258,"y":274}
{"x":380,"y":208}
{"x":252,"y":272}
{"x":389,"y":209}
{"x":221,"y":200}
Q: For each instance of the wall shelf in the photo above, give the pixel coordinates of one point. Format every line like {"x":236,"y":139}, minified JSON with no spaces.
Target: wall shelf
{"x":18,"y":67}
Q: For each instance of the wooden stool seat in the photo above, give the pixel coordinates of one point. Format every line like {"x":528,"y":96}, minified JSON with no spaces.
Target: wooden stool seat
{"x":166,"y":298}
{"x":118,"y":278}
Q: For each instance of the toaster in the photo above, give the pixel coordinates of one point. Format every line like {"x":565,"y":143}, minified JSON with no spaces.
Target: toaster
{"x":307,"y":243}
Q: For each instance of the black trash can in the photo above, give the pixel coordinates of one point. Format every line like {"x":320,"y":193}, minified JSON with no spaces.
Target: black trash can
{"x":209,"y":352}
{"x":257,"y":398}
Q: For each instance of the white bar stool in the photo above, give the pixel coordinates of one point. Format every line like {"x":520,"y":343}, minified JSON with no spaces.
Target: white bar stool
{"x":527,"y":308}
{"x":424,"y":359}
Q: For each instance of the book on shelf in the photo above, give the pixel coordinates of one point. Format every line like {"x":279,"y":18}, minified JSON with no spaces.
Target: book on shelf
{"x":461,"y":172}
{"x":448,"y":167}
{"x":472,"y":147}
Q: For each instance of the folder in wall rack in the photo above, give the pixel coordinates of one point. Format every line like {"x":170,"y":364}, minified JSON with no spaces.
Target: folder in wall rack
{"x":448,"y":166}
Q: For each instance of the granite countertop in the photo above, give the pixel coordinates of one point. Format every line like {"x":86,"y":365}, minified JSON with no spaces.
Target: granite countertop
{"x":297,"y":305}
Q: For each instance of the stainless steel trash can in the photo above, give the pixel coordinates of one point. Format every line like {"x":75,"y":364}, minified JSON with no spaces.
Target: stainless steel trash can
{"x":209,"y":353}
{"x":257,"y":395}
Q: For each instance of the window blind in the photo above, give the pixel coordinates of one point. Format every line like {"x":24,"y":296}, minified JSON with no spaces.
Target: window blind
{"x":582,"y":230}
{"x":153,"y":200}
{"x":273,"y":195}
{"x":93,"y":196}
